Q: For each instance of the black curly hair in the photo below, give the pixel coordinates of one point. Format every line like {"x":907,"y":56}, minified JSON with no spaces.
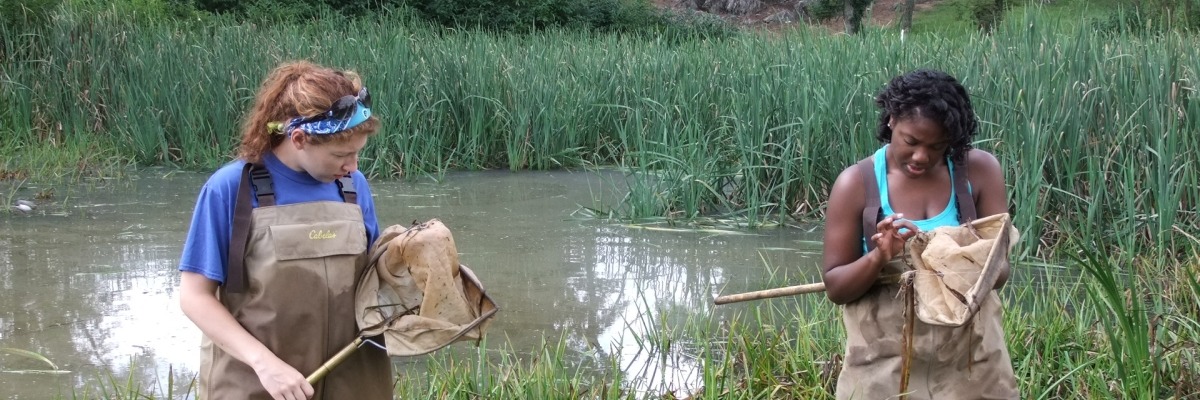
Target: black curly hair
{"x":934,"y":95}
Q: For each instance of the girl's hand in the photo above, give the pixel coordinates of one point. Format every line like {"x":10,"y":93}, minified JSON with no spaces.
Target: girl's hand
{"x":282,"y":381}
{"x":893,"y":231}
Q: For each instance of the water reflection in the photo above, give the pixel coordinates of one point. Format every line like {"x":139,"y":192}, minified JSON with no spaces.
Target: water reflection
{"x":601,"y":286}
{"x":88,"y":284}
{"x":89,"y":281}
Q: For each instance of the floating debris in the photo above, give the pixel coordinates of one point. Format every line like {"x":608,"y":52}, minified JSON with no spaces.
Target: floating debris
{"x":25,"y":205}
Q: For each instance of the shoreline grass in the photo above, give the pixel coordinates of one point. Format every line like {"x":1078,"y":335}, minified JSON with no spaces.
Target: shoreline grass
{"x":1080,"y":336}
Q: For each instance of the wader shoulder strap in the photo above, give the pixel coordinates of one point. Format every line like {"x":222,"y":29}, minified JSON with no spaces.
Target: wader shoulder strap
{"x":346,"y":184}
{"x":264,"y":187}
{"x":256,"y":179}
{"x":235,"y":276}
{"x":966,"y":202}
{"x":870,"y":214}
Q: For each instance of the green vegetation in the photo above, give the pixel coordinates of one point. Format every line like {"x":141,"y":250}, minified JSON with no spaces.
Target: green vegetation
{"x":1093,"y":132}
{"x":630,"y":16}
{"x":1104,"y":334}
{"x":1115,"y":16}
{"x":1093,"y":117}
{"x":33,"y":356}
{"x":789,"y":349}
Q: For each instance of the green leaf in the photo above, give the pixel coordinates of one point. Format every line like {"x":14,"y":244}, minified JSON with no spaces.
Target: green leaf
{"x":28,"y":354}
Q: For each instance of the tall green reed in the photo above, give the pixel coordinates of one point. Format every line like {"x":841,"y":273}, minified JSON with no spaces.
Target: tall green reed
{"x":1049,"y":326}
{"x":1130,"y":324}
{"x":1096,"y":131}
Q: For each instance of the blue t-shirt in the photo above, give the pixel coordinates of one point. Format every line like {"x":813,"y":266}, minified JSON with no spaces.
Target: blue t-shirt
{"x":206,"y":250}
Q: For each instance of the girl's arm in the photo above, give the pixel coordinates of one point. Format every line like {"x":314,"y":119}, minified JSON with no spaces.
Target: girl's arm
{"x":847,"y":272}
{"x":199,"y":302}
{"x":990,"y":192}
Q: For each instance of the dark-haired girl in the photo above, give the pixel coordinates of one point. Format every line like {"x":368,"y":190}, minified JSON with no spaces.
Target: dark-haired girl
{"x":926,"y":175}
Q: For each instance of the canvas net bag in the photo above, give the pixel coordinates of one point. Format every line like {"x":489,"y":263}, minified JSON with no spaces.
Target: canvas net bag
{"x":955,"y":267}
{"x":415,"y":293}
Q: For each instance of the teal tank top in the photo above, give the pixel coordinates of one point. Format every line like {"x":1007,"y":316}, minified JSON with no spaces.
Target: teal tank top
{"x":948,"y":216}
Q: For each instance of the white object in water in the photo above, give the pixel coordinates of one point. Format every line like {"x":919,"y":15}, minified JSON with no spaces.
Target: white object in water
{"x":25,"y":205}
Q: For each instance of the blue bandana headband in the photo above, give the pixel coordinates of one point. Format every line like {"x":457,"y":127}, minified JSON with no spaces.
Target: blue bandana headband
{"x":346,"y":112}
{"x":327,"y":125}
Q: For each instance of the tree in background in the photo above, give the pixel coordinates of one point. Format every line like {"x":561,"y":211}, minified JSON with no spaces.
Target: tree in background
{"x":906,"y":17}
{"x":854,"y":11}
{"x":989,"y":13}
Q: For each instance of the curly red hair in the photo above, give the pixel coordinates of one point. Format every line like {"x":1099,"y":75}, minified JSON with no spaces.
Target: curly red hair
{"x":297,"y":89}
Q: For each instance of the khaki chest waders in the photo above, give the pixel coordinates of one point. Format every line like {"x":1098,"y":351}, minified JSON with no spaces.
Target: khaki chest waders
{"x":892,"y":354}
{"x":295,"y":294}
{"x":965,"y":362}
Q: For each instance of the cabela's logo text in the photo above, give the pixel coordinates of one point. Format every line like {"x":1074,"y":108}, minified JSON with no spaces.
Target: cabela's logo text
{"x":317,"y":234}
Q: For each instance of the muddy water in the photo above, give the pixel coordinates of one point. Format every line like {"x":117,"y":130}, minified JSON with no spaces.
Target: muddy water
{"x":89,"y":279}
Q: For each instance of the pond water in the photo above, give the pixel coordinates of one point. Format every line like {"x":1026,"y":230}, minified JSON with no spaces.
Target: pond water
{"x":89,"y":279}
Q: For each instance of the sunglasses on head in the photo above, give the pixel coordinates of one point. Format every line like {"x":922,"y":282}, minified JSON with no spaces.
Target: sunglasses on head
{"x":344,"y":107}
{"x":340,"y":115}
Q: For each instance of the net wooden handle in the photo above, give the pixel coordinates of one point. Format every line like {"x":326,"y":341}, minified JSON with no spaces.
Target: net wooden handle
{"x":334,"y":361}
{"x":792,"y":290}
{"x":769,"y":293}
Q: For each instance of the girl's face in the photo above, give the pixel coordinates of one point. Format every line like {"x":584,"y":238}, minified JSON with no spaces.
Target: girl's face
{"x":918,"y":145}
{"x":327,"y":162}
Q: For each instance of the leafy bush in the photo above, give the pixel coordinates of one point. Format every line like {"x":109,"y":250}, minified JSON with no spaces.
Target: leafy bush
{"x":988,"y":13}
{"x":1150,"y":19}
{"x":19,"y":14}
{"x":641,"y":18}
{"x":826,"y":9}
{"x":285,"y":10}
{"x":628,"y":16}
{"x":822,"y":10}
